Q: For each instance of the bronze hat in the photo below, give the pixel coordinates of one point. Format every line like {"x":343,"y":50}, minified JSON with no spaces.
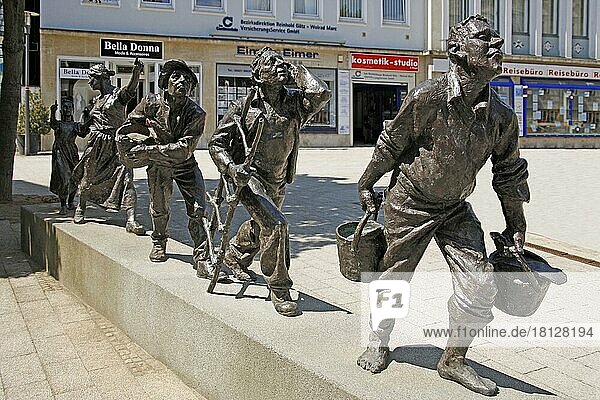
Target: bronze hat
{"x":173,"y":65}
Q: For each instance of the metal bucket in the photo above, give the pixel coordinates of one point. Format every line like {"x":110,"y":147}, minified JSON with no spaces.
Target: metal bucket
{"x":369,"y":251}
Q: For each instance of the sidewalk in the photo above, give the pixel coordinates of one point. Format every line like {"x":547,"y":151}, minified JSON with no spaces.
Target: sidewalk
{"x":54,"y":347}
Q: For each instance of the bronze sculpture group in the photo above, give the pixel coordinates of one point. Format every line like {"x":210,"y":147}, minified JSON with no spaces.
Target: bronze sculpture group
{"x":445,"y":131}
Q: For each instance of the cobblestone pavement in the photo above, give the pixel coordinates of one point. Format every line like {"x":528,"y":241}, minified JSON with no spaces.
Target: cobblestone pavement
{"x":52,"y":346}
{"x":564,"y":207}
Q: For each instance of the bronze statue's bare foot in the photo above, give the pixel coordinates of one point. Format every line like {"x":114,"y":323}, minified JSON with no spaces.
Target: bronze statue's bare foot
{"x":458,"y":371}
{"x":374,"y":359}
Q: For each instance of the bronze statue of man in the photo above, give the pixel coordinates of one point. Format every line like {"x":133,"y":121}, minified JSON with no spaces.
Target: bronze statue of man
{"x":284,"y":111}
{"x":102,"y":178}
{"x":177,"y":123}
{"x":445,"y":131}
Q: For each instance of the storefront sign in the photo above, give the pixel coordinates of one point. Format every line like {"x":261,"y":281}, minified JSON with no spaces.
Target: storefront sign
{"x":73,"y":73}
{"x":286,"y":52}
{"x":131,"y":48}
{"x":550,"y":71}
{"x":384,"y":62}
{"x":259,"y":26}
{"x":380,"y":76}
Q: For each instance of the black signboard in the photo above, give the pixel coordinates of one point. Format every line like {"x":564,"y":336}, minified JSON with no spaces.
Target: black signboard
{"x":131,"y":48}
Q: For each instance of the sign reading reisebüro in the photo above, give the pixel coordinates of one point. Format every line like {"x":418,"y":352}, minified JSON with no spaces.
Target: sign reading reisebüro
{"x":384,"y":61}
{"x":131,"y":48}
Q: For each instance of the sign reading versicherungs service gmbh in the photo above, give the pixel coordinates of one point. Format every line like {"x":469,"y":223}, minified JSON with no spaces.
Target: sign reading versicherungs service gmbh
{"x":131,"y":48}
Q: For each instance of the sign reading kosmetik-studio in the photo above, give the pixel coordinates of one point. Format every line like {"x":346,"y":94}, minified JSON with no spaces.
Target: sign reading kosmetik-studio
{"x":131,"y":48}
{"x":388,"y":62}
{"x":550,"y":71}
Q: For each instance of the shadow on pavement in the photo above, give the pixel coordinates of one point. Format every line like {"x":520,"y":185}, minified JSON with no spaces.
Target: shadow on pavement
{"x":427,"y":356}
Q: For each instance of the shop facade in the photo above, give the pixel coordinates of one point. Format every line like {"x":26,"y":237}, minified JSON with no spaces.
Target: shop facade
{"x":558,"y":105}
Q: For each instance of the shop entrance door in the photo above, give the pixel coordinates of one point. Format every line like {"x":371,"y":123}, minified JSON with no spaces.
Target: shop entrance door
{"x":373,"y":104}
{"x":123,"y":75}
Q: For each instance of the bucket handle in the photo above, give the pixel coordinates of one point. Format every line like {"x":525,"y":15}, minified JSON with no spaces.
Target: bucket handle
{"x":358,"y":231}
{"x":502,"y":245}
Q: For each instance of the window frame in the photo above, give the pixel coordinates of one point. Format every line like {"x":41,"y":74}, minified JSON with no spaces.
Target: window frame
{"x":317,"y":17}
{"x":395,"y":22}
{"x":351,"y":20}
{"x":526,"y":19}
{"x":209,"y":9}
{"x":586,"y":21}
{"x":466,"y":9}
{"x":496,"y":22}
{"x":259,"y":12}
{"x":148,"y":4}
{"x":554,"y":32}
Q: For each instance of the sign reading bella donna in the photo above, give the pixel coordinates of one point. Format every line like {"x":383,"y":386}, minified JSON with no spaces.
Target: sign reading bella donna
{"x":131,"y":49}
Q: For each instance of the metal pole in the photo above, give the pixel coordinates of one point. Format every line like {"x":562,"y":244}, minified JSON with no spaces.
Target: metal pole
{"x":26,"y":113}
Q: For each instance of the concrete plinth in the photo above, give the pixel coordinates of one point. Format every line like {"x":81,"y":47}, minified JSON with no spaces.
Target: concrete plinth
{"x":229,"y":345}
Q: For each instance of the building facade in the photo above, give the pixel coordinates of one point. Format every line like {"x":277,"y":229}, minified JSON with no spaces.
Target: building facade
{"x":370,"y":53}
{"x":551,"y":72}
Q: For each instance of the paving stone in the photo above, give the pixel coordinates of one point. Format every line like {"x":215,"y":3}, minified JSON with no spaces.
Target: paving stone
{"x":89,"y":393}
{"x":83,"y":331}
{"x":45,"y":327}
{"x":35,"y":391}
{"x":569,"y":367}
{"x":97,"y":355}
{"x":55,"y":349}
{"x":67,"y":376}
{"x":36,"y":309}
{"x":118,"y":381}
{"x":561,"y":382}
{"x":72,"y":313}
{"x":29,"y":280}
{"x":21,"y":370}
{"x":15,"y":345}
{"x":12,"y":324}
{"x":25,"y":294}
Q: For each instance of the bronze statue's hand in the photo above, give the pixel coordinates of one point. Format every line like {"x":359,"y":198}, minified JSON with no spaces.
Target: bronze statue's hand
{"x":368,"y":200}
{"x":138,"y":66}
{"x":53,"y":108}
{"x":240,"y":174}
{"x":516,"y":240}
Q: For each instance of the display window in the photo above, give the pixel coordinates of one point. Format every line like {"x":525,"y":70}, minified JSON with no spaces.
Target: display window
{"x":234,"y":82}
{"x":562,"y":108}
{"x":73,"y":84}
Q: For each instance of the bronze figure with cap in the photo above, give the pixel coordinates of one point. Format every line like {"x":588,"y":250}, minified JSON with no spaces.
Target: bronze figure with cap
{"x":446,"y":130}
{"x":175,"y":123}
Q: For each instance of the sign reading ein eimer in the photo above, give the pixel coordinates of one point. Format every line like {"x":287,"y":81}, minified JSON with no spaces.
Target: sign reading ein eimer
{"x":131,"y":48}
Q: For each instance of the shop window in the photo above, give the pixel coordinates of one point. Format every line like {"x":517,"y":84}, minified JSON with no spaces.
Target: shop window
{"x":101,"y":2}
{"x":351,"y":9}
{"x":394,"y":11}
{"x":234,"y":82}
{"x":550,"y":17}
{"x":520,"y":17}
{"x":157,"y":3}
{"x":306,"y":8}
{"x":563,"y":111}
{"x":580,"y":18}
{"x":73,"y":84}
{"x":490,"y":10}
{"x":258,"y":7}
{"x":457,"y":11}
{"x":210,"y":5}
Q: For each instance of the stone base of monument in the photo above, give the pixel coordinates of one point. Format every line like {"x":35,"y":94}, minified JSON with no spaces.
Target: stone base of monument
{"x":228,"y":345}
